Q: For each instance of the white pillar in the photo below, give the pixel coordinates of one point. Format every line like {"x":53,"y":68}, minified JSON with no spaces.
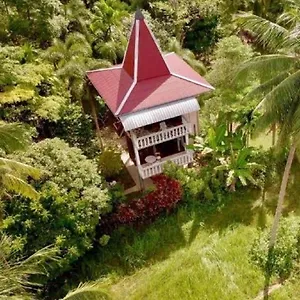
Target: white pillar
{"x":136,"y":151}
{"x":186,"y":139}
{"x":137,"y":157}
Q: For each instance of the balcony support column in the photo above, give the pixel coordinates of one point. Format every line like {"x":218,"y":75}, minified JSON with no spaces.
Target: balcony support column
{"x":186,"y":139}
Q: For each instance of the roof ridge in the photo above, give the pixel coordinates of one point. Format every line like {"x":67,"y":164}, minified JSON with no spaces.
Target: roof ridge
{"x":193,"y":81}
{"x":135,"y":66}
{"x":106,"y":69}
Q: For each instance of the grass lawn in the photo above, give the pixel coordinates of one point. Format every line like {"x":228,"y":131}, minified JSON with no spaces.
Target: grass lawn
{"x":214,"y":265}
{"x":263,"y":140}
{"x":199,"y":252}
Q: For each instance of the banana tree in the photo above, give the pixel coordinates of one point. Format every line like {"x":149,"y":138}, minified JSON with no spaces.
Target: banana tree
{"x":218,"y":142}
{"x":238,"y":168}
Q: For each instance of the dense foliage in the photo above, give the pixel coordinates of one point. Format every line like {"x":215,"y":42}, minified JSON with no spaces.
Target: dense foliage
{"x":55,"y":191}
{"x":110,"y":163}
{"x":286,"y":254}
{"x":71,"y":200}
{"x":164,"y":198}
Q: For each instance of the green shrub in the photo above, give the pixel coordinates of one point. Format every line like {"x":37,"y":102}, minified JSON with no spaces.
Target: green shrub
{"x":76,"y":128}
{"x":198,"y":184}
{"x":110,"y":163}
{"x":72,"y":201}
{"x":116,"y":192}
{"x":286,"y":251}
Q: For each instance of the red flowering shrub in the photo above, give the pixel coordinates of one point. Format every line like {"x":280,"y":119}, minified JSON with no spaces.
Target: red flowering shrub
{"x":166,"y":195}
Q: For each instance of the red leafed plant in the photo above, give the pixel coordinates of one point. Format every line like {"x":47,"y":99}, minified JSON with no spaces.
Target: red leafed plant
{"x":166,"y":195}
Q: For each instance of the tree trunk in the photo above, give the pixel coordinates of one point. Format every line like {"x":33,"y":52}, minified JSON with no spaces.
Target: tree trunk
{"x":278,"y":213}
{"x":94,"y":114}
{"x":283,"y":187}
{"x":273,"y":134}
{"x":6,"y":7}
{"x":95,"y":118}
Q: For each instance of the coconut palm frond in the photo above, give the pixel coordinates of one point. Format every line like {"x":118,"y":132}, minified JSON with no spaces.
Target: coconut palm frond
{"x":187,"y":55}
{"x":15,"y":276}
{"x":279,"y":99}
{"x":87,"y":291}
{"x":94,"y":64}
{"x":261,"y":90}
{"x":19,"y":186}
{"x":266,"y":66}
{"x":13,"y":137}
{"x":35,"y":263}
{"x":76,"y":38}
{"x":296,"y":122}
{"x":20,"y":168}
{"x":108,"y":50}
{"x":72,"y":69}
{"x":267,"y":33}
{"x":289,"y":18}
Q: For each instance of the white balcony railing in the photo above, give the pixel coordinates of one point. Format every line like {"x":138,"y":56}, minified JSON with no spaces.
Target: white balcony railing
{"x":162,"y":136}
{"x":182,"y":158}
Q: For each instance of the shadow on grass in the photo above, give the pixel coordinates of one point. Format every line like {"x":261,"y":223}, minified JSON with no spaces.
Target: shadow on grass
{"x":238,"y":208}
{"x":130,"y":249}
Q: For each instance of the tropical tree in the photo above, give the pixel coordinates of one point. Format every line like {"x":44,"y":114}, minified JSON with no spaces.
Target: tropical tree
{"x":238,"y":168}
{"x":278,"y":90}
{"x":13,"y":174}
{"x":87,"y":291}
{"x":71,"y":60}
{"x":16,"y":275}
{"x":107,"y":26}
{"x":224,"y":104}
{"x":187,"y":55}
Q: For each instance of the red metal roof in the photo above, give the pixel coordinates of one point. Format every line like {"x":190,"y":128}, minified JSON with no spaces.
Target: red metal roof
{"x":146,"y":78}
{"x":161,"y":90}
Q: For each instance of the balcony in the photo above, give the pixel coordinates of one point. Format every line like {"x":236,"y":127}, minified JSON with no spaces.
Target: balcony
{"x":181,"y":158}
{"x":142,"y":138}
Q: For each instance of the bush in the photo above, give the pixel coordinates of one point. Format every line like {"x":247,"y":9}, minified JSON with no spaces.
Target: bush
{"x":167,"y":194}
{"x":66,"y":215}
{"x":286,"y":251}
{"x":110,"y":163}
{"x":76,"y":128}
{"x":116,"y":192}
{"x":197,"y":184}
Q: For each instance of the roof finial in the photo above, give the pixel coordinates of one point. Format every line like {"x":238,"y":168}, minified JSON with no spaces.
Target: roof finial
{"x":139,"y":15}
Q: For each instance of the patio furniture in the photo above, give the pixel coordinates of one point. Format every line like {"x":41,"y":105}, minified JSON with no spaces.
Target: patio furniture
{"x":163,"y":125}
{"x":158,"y":156}
{"x":150,"y":159}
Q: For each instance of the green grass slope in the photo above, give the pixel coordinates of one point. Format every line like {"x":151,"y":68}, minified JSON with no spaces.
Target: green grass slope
{"x":214,"y":265}
{"x":200,"y":251}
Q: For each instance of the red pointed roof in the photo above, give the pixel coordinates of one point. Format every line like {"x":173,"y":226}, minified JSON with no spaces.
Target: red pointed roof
{"x":146,"y":77}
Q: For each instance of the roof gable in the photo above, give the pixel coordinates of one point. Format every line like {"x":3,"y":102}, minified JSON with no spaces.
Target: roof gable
{"x":143,"y":58}
{"x":146,"y":78}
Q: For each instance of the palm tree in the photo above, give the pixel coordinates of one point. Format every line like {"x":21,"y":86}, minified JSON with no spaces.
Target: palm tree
{"x":107,"y":26}
{"x":72,"y":59}
{"x":13,"y":174}
{"x":87,"y":291}
{"x":75,"y":48}
{"x":279,"y":89}
{"x":15,"y":274}
{"x":187,"y":55}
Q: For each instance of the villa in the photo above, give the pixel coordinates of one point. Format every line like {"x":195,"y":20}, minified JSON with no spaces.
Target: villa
{"x":153,"y":96}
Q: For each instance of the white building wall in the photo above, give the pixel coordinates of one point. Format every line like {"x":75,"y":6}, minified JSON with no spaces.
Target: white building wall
{"x":193,"y":119}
